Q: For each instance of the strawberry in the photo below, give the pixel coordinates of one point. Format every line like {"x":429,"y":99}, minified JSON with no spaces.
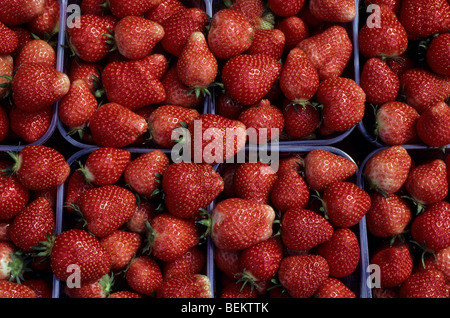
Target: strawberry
{"x":388,"y":215}
{"x":430,"y":228}
{"x":196,"y":66}
{"x":425,"y":18}
{"x":6,"y":71}
{"x":427,"y":183}
{"x":228,"y":263}
{"x":333,"y":11}
{"x":164,"y":10}
{"x":289,"y":163}
{"x":89,"y":72}
{"x":20,"y":11}
{"x":12,"y":265}
{"x":394,"y":5}
{"x":386,"y":171}
{"x":231,"y":216}
{"x":265,"y":119}
{"x":9,"y":40}
{"x":95,"y":7}
{"x":136,"y":36}
{"x":227,"y":107}
{"x":285,"y":8}
{"x":144,"y":212}
{"x":76,"y":186}
{"x":144,"y":173}
{"x":300,"y":121}
{"x":254,"y":181}
{"x":395,"y":262}
{"x":437,"y":55}
{"x":189,"y":187}
{"x":165,"y":119}
{"x":105,"y":165}
{"x":4,"y":124}
{"x":186,"y":286}
{"x":425,"y":284}
{"x":422,"y":88}
{"x":332,"y":61}
{"x":15,"y":290}
{"x":98,"y":289}
{"x":37,"y":86}
{"x":299,"y":79}
{"x":40,"y":167}
{"x":122,"y":8}
{"x":334,"y":288}
{"x":243,"y":83}
{"x":432,"y":126}
{"x":170,"y":236}
{"x":447,"y":162}
{"x":255,"y":12}
{"x":106,"y":208}
{"x":342,"y":252}
{"x":177,"y":93}
{"x":46,"y":24}
{"x":439,"y":262}
{"x":294,"y":29}
{"x":343,"y":103}
{"x":230,"y":34}
{"x":268,"y":41}
{"x":238,"y":290}
{"x":191,"y":262}
{"x":89,"y":39}
{"x":80,"y":248}
{"x":290,"y":190}
{"x":303,"y":229}
{"x":125,"y":294}
{"x":131,"y":85}
{"x":114,"y":125}
{"x":215,"y":139}
{"x":40,"y":286}
{"x":144,"y":275}
{"x":302,"y":275}
{"x":322,"y":168}
{"x":179,"y":26}
{"x":30,"y":126}
{"x":396,"y":123}
{"x":379,"y":82}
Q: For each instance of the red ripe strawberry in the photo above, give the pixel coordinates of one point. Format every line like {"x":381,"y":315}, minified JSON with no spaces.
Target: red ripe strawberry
{"x":177,"y":93}
{"x":425,"y":18}
{"x":268,"y":41}
{"x":322,"y":168}
{"x":214,"y":138}
{"x":164,"y":10}
{"x":14,"y":195}
{"x":95,"y":7}
{"x":265,"y":120}
{"x":438,"y":54}
{"x":424,"y":284}
{"x":343,"y":103}
{"x":122,"y":8}
{"x":427,"y":183}
{"x":248,"y":78}
{"x":394,"y":5}
{"x":136,"y":36}
{"x":77,"y":106}
{"x":300,"y":121}
{"x":432,"y":126}
{"x":304,"y":229}
{"x":144,"y":212}
{"x":165,"y":119}
{"x":302,"y":275}
{"x":46,"y":24}
{"x":144,"y":275}
{"x":388,"y":215}
{"x":422,"y":88}
{"x":231,"y":216}
{"x":295,"y":30}
{"x":125,"y":294}
{"x":106,"y":208}
{"x":345,"y":203}
{"x":30,"y":126}
{"x":254,"y":181}
{"x":76,"y":186}
{"x":396,"y":123}
{"x":230,"y":34}
{"x":89,"y":72}
{"x":196,"y":66}
{"x":15,"y":290}
{"x":332,"y":61}
{"x":227,"y":107}
{"x":285,"y":8}
{"x":40,"y":286}
{"x":186,"y":286}
{"x":6,"y":71}
{"x":299,"y":79}
{"x":238,"y":290}
{"x":379,"y":82}
{"x":191,"y":262}
{"x":170,"y":236}
{"x":189,"y":187}
{"x":228,"y":262}
{"x":98,"y":289}
{"x":75,"y":247}
{"x":387,"y":40}
{"x":12,"y":265}
{"x":290,"y":190}
{"x":254,"y":11}
{"x":333,"y":11}
{"x":40,"y":167}
{"x":431,"y":228}
{"x":395,"y":262}
{"x":20,"y":11}
{"x":334,"y":288}
{"x":440,"y":262}
{"x":179,"y":26}
{"x":131,"y":86}
{"x":293,"y":162}
{"x":105,"y":165}
{"x":37,"y":86}
{"x":9,"y":40}
{"x":89,"y":39}
{"x":113,"y":125}
{"x":386,"y":171}
{"x":144,"y":173}
{"x":33,"y":224}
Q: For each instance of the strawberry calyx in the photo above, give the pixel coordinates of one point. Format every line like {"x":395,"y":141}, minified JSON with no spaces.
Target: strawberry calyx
{"x":17,"y":266}
{"x":205,"y":222}
{"x":425,"y":251}
{"x":247,"y":278}
{"x":17,"y":161}
{"x":419,"y":204}
{"x":323,"y":207}
{"x":106,"y":282}
{"x":44,"y":248}
{"x":150,"y":236}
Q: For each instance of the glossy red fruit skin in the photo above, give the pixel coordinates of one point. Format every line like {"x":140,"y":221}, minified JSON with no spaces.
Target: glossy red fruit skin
{"x":432,"y":126}
{"x":15,"y":290}
{"x":424,"y":284}
{"x":186,"y":286}
{"x":438,"y":54}
{"x":334,"y":288}
{"x":144,"y":275}
{"x":14,"y":195}
{"x":333,"y":11}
